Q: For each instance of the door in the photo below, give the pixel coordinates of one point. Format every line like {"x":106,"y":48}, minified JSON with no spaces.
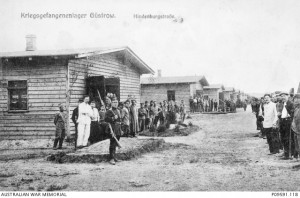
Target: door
{"x":102,"y":85}
{"x":171,"y":95}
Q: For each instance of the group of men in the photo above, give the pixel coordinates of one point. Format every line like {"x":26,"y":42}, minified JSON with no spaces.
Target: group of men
{"x":114,"y":119}
{"x":278,"y":119}
{"x":203,"y":104}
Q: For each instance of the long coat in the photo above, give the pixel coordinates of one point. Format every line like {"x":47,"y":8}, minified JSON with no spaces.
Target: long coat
{"x":134,"y":119}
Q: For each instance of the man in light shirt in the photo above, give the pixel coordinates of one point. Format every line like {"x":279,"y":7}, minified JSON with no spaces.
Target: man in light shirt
{"x":85,"y":113}
{"x":269,"y":124}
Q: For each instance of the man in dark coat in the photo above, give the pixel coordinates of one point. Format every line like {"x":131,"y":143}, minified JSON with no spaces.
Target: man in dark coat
{"x":60,"y":124}
{"x":113,"y":117}
{"x":211,"y":104}
{"x":296,"y":125}
{"x":74,"y":120}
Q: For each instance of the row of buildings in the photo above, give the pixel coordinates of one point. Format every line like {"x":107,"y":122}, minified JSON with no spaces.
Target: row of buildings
{"x":33,"y":83}
{"x":186,"y":87}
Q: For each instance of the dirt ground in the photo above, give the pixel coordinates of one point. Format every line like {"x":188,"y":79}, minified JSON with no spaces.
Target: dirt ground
{"x":224,"y":155}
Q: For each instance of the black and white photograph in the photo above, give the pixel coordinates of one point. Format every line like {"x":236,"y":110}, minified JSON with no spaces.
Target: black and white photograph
{"x":99,"y":97}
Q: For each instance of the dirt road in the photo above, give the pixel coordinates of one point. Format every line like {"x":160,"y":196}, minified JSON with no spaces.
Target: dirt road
{"x":223,"y":156}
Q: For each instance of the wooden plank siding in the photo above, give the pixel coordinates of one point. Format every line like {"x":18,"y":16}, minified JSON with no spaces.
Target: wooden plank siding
{"x":159,"y":92}
{"x":52,"y":84}
{"x":46,"y":89}
{"x":107,"y":65}
{"x":213,"y":93}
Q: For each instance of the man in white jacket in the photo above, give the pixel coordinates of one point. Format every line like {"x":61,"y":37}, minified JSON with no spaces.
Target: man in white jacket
{"x":270,"y":124}
{"x":85,"y":113}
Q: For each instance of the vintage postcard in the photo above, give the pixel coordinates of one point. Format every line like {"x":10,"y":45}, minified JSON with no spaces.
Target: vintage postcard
{"x":158,"y":96}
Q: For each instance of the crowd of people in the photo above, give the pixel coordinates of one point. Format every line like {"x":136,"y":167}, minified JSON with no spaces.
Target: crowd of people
{"x":99,"y":120}
{"x":278,"y":120}
{"x":203,"y":104}
{"x":206,"y":104}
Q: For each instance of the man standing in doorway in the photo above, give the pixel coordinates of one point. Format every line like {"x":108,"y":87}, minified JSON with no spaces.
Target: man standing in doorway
{"x":85,"y":113}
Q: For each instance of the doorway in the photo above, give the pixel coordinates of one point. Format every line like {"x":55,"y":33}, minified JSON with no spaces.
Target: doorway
{"x":100,"y":85}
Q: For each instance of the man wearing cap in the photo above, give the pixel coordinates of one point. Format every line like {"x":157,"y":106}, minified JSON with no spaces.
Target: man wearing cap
{"x":296,"y":124}
{"x":270,"y":124}
{"x":113,"y":117}
{"x":285,"y":126}
{"x":60,"y":123}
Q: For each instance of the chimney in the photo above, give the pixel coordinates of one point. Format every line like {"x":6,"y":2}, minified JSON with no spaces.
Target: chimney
{"x":159,"y":73}
{"x":30,"y":42}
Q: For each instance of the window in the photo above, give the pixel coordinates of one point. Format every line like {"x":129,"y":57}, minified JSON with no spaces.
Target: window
{"x":17,"y":93}
{"x":171,"y":95}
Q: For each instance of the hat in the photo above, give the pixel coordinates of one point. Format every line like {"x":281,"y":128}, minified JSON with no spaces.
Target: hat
{"x":297,"y":96}
{"x":292,"y":91}
{"x":267,"y":95}
{"x":283,"y":93}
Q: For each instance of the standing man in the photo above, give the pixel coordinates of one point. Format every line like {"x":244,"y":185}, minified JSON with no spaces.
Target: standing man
{"x":113,"y":117}
{"x":125,"y":118}
{"x":269,"y":124}
{"x":134,"y":118}
{"x":296,"y":124}
{"x":142,"y":117}
{"x":191,"y":104}
{"x":95,"y":128}
{"x":60,"y":123}
{"x":182,"y":110}
{"x":147,"y":120}
{"x":74,"y":120}
{"x":285,"y":126}
{"x":216,"y":105}
{"x":85,"y":113}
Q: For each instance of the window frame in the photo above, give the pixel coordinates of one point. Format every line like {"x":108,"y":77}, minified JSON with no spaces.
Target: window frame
{"x":9,"y":96}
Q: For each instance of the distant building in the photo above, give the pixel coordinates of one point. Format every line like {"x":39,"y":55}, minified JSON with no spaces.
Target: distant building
{"x":228,"y":93}
{"x":214,"y":91}
{"x":172,"y":88}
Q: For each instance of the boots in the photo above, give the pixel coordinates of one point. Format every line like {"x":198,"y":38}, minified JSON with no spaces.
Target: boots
{"x":61,"y":140}
{"x":115,"y":158}
{"x":55,"y":143}
{"x":111,"y":156}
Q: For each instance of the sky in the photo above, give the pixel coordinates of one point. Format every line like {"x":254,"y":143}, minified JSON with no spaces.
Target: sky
{"x":252,"y":45}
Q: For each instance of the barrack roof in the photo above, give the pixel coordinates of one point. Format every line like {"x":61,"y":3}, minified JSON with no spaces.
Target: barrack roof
{"x":174,"y":80}
{"x":80,"y":53}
